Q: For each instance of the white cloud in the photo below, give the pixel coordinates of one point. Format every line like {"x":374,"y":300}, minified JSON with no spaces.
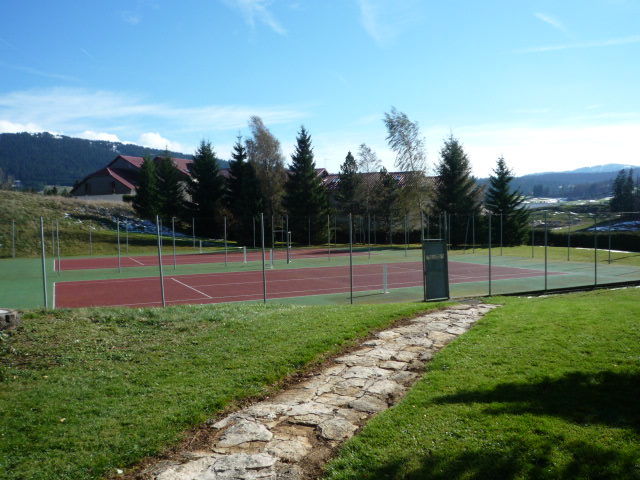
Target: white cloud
{"x":77,"y":110}
{"x":7,"y":126}
{"x":552,"y":21}
{"x":612,"y":42}
{"x":155,"y":140}
{"x":384,"y":20}
{"x":91,"y":135}
{"x":130,"y":17}
{"x":257,"y":10}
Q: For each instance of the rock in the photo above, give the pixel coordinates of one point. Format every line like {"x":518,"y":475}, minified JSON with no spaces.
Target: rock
{"x":290,"y":448}
{"x":404,"y":356}
{"x":393,"y":365}
{"x":365,"y":372}
{"x":244,"y":431}
{"x":369,"y":404}
{"x":336,"y":429}
{"x":232,"y":466}
{"x":456,"y":330}
{"x":9,"y":319}
{"x":386,"y":388}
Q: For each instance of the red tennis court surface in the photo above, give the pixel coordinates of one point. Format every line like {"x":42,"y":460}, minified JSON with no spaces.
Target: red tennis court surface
{"x":234,"y":255}
{"x":239,"y":286}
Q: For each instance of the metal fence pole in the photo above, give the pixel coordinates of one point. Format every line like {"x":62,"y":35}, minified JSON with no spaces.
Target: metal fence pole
{"x":13,"y":238}
{"x":173,"y":237}
{"x":193,"y":232}
{"x":288,"y":246}
{"x":53,"y":243}
{"x":126,"y":235}
{"x":406,"y":245}
{"x":532,"y":239}
{"x":375,"y":230}
{"x":569,"y":242}
{"x":225,"y":241}
{"x":595,"y":250}
{"x":58,"y":246}
{"x":500,"y":234}
{"x":309,"y":230}
{"x":264,"y":273}
{"x":351,"y":259}
{"x":244,"y":255}
{"x":44,"y":264}
{"x":385,"y":281}
{"x":490,"y":255}
{"x":609,"y":241}
{"x":329,"y":236}
{"x":118,"y":240}
{"x":90,"y":241}
{"x":473,"y":233}
{"x":545,"y":251}
{"x":253,"y":222}
{"x":164,"y":303}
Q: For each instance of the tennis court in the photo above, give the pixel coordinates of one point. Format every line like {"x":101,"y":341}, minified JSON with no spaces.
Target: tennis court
{"x":248,"y":285}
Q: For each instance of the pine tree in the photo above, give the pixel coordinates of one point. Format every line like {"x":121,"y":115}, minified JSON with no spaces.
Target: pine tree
{"x":457,"y":193}
{"x":306,"y":197}
{"x":622,"y":200}
{"x":243,"y":193}
{"x":502,"y":200}
{"x":170,"y":189}
{"x":207,"y":189}
{"x":146,"y":202}
{"x":348,"y":186}
{"x":385,"y":203}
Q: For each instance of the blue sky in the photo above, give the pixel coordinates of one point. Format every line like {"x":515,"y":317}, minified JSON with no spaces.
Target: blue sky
{"x":551,"y":85}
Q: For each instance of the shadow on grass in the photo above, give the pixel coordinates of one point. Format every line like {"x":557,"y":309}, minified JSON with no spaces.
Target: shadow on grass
{"x":604,"y":398}
{"x":517,"y":459}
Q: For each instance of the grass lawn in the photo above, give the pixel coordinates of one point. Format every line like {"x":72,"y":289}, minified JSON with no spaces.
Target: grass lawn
{"x":541,"y":388}
{"x":83,"y":392}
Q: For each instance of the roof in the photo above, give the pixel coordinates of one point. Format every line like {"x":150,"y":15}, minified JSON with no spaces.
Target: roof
{"x":122,"y":176}
{"x":181,"y":164}
{"x":331,"y":180}
{"x":135,"y":161}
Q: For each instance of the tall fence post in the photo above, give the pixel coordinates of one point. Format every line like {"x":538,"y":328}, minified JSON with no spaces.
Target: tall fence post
{"x":225,"y":241}
{"x":609,"y":241}
{"x":264,"y":273}
{"x":490,"y":289}
{"x":90,"y":241}
{"x":351,"y":258}
{"x":473,"y":233}
{"x":173,"y":237}
{"x":193,"y":232}
{"x":44,"y":264}
{"x":253,"y":222}
{"x":118,"y":241}
{"x":532,"y":239}
{"x":126,"y":236}
{"x":545,"y":251}
{"x":501,"y":233}
{"x":595,"y":250}
{"x":58,"y":246}
{"x":164,"y":302}
{"x":385,"y":281}
{"x":329,"y":237}
{"x":406,"y":239}
{"x":569,"y":242}
{"x":13,"y":238}
{"x":309,"y":230}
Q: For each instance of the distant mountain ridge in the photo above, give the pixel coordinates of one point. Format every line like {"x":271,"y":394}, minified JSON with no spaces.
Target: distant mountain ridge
{"x":578,"y":184}
{"x":38,"y":159}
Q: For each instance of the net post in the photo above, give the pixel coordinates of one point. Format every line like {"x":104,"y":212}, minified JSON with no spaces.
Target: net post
{"x":490,"y":216}
{"x":53,"y":243}
{"x":126,"y":236}
{"x":288,"y":247}
{"x":200,"y":243}
{"x":350,"y":259}
{"x":90,"y":242}
{"x":44,"y":264}
{"x":244,"y":255}
{"x":309,"y":229}
{"x":369,"y":234}
{"x":173,"y":238}
{"x":164,"y":303}
{"x":118,"y":241}
{"x":545,"y":251}
{"x":532,"y":239}
{"x":13,"y":238}
{"x":271,"y":258}
{"x":253,"y":223}
{"x":473,"y":233}
{"x":406,"y":240}
{"x":225,"y":241}
{"x":329,"y":237}
{"x":58,"y":246}
{"x":264,"y":273}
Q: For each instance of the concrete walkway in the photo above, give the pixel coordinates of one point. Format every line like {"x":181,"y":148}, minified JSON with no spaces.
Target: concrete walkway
{"x":291,"y":436}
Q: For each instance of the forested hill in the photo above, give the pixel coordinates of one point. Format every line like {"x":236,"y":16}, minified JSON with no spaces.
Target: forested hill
{"x":38,"y":159}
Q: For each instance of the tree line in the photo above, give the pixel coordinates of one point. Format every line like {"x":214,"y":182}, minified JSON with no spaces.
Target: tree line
{"x":258,"y":182}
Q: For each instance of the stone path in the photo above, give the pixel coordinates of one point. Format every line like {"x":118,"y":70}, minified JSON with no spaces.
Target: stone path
{"x":291,"y":435}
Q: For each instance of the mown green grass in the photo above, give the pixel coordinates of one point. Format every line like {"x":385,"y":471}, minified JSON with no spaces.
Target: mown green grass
{"x":545,"y":388}
{"x":83,"y":392}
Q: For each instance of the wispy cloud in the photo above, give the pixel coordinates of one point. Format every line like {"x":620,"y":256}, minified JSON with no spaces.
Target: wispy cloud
{"x":612,"y":42}
{"x":74,"y":111}
{"x":384,"y":20}
{"x":130,"y":17}
{"x":552,"y":21}
{"x":87,"y":54}
{"x":40,"y":73}
{"x":257,"y":11}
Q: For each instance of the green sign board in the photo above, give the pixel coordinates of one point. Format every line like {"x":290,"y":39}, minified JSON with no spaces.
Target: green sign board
{"x":435,"y":269}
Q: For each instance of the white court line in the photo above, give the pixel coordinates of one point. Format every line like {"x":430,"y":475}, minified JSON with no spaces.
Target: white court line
{"x":138,"y":262}
{"x":194,"y":289}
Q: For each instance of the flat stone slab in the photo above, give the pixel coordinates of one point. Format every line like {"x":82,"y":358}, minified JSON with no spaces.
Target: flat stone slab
{"x":292,"y":433}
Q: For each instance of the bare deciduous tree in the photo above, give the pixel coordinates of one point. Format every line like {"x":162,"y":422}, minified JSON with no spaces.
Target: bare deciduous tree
{"x":369,"y":165}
